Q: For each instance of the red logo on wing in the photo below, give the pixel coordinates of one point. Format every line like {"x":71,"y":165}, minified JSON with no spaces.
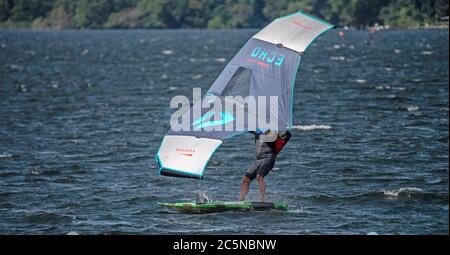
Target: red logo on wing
{"x":301,"y":25}
{"x":185,"y":151}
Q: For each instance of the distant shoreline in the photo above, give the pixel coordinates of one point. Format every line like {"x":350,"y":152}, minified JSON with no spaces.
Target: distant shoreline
{"x":2,"y":28}
{"x":29,"y":26}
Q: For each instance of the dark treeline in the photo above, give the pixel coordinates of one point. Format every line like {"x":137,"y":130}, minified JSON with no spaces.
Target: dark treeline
{"x":214,"y":13}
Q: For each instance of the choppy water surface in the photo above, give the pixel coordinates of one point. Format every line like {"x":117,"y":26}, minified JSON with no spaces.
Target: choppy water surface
{"x":82,"y":114}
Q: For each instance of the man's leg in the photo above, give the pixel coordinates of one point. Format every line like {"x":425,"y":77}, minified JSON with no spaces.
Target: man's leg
{"x":244,"y":188}
{"x":262,"y":187}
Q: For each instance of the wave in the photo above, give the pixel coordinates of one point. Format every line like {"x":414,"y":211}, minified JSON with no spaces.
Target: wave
{"x":4,"y":194}
{"x":408,"y":191}
{"x":220,"y":60}
{"x":197,"y":76}
{"x":167,"y":52}
{"x":405,"y":193}
{"x":412,"y":108}
{"x":311,"y":127}
{"x":337,"y":58}
{"x":388,"y":87}
{"x":6,"y":156}
{"x":43,"y":173}
{"x":42,"y":217}
{"x":9,"y":174}
{"x":142,"y":199}
{"x":426,"y":53}
{"x":360,"y":81}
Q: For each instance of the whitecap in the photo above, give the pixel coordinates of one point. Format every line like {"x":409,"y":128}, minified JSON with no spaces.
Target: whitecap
{"x":15,"y":67}
{"x":337,"y":46}
{"x":172,"y":88}
{"x":197,"y":76}
{"x":337,"y":58}
{"x":85,"y":52}
{"x":23,"y":88}
{"x":6,"y":155}
{"x":397,"y":51}
{"x":298,"y":210}
{"x":381,"y":87}
{"x":372,"y":233}
{"x":426,"y":53}
{"x":412,"y":108}
{"x":408,"y":191}
{"x":167,"y":52}
{"x":311,"y":127}
{"x":220,"y":59}
{"x":202,"y":197}
{"x":360,"y":81}
{"x":33,"y":172}
{"x":72,"y":233}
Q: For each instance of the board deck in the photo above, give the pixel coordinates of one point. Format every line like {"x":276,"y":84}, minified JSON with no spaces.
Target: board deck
{"x":222,"y":206}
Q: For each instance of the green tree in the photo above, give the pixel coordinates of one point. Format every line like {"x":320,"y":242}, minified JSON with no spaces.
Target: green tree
{"x":119,"y":5}
{"x":219,"y":17}
{"x":5,"y":9}
{"x":28,"y":10}
{"x":242,"y":14}
{"x":295,"y":6}
{"x":365,"y":12}
{"x":275,"y":9}
{"x":155,"y":13}
{"x":216,"y":13}
{"x":441,"y":8}
{"x":340,"y":12}
{"x":354,"y":12}
{"x":92,"y":13}
{"x":402,"y":13}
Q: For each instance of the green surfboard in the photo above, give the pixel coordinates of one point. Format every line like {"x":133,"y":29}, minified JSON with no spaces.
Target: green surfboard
{"x":222,"y":206}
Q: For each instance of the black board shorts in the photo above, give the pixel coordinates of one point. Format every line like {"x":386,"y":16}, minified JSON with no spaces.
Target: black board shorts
{"x":266,"y":152}
{"x":260,"y":167}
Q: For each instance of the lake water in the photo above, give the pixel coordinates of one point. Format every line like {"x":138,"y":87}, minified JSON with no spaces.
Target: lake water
{"x":82,"y":114}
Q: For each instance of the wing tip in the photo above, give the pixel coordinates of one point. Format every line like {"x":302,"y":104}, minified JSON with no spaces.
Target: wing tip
{"x":172,"y":173}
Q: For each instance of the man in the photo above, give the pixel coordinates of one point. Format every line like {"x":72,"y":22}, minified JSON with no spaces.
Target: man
{"x":268,"y":145}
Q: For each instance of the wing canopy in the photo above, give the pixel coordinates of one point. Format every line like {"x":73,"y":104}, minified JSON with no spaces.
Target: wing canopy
{"x":264,"y":69}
